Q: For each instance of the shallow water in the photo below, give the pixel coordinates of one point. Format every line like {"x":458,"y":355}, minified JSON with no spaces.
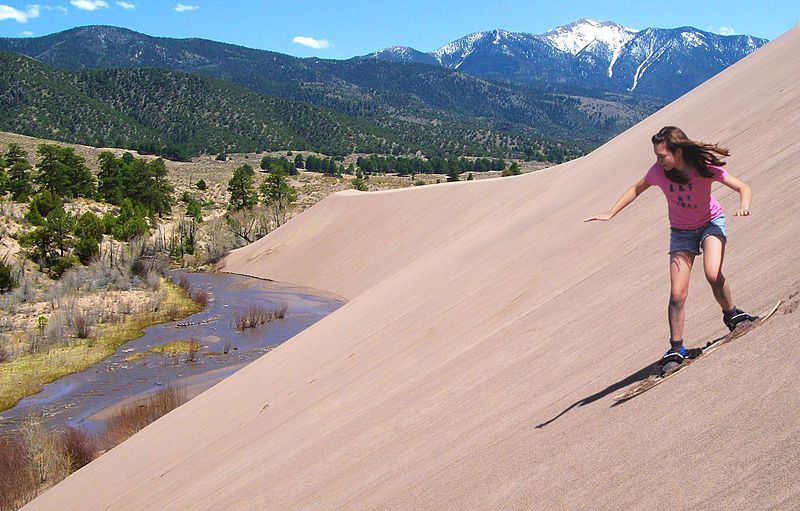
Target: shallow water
{"x":84,"y":399}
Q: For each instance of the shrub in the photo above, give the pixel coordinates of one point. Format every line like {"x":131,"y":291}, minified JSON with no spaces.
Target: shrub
{"x":91,"y":226}
{"x":200,"y":297}
{"x":46,"y":456}
{"x":87,"y":250}
{"x":201,"y":185}
{"x":17,"y":482}
{"x":41,"y":205}
{"x":130,"y":419}
{"x":81,"y":325}
{"x":109,"y":222}
{"x":75,"y":280}
{"x":191,"y":355}
{"x":184,"y":284}
{"x":257,"y":315}
{"x":34,"y":456}
{"x":63,"y":264}
{"x":81,"y":447}
{"x":7,"y":279}
{"x":173,"y":312}
{"x":153,"y":280}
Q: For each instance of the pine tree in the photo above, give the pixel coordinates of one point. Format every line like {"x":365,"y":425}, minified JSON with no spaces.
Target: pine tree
{"x":62,"y":171}
{"x":242,"y":189}
{"x":19,"y":176}
{"x":453,"y":170}
{"x":278,"y":195}
{"x":144,"y":183}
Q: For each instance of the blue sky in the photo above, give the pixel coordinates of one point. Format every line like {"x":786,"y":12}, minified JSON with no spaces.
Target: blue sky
{"x":345,"y":28}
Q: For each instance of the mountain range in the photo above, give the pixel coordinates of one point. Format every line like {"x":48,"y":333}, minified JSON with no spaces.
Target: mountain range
{"x":657,"y":62}
{"x":498,"y":93}
{"x":409,"y":107}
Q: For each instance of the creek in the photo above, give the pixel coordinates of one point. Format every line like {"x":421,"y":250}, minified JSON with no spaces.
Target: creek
{"x":85,"y":399}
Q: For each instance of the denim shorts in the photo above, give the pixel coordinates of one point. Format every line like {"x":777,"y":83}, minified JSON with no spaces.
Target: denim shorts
{"x":692,"y":240}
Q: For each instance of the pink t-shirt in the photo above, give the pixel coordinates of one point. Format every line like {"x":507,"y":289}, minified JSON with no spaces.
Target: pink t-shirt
{"x":691,"y":205}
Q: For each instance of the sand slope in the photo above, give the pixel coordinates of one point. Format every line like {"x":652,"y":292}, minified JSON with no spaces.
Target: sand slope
{"x":480,"y":310}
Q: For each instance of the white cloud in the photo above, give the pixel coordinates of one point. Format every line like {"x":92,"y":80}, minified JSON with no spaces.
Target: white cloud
{"x":26,"y":33}
{"x":9,"y":13}
{"x":318,"y":44}
{"x":89,"y":5}
{"x":62,"y":9}
{"x":126,"y":5}
{"x":186,"y":8}
{"x":723,"y":30}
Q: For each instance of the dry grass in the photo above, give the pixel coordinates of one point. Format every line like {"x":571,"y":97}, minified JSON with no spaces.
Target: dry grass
{"x":133,"y":357}
{"x":257,"y":315}
{"x":178,"y":347}
{"x":27,"y":373}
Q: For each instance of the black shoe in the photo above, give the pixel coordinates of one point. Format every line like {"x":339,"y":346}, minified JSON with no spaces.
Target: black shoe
{"x":733,"y":317}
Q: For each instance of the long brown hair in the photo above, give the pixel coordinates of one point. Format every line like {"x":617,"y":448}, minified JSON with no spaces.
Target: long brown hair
{"x":697,"y":154}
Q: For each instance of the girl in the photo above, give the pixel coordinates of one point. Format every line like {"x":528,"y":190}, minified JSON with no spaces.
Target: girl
{"x":684,"y":170}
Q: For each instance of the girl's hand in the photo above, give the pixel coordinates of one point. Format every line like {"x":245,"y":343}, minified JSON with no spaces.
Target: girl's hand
{"x":742,"y":212}
{"x":605,"y":217}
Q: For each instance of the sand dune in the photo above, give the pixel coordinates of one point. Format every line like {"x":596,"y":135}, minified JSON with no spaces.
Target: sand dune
{"x":479,"y":310}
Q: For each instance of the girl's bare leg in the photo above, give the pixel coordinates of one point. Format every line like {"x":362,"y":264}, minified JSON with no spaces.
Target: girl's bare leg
{"x":713,"y":256}
{"x":680,"y":269}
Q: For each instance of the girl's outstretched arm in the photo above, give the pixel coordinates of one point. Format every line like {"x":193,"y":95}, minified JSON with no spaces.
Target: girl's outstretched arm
{"x":745,"y":194}
{"x":627,"y":197}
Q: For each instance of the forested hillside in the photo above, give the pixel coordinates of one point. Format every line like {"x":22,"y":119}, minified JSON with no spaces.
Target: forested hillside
{"x":394,"y":107}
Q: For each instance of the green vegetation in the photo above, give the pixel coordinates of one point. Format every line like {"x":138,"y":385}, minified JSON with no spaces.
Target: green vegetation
{"x":59,"y":239}
{"x":7,"y":279}
{"x":288,"y":168}
{"x":27,"y":373}
{"x":63,"y":172}
{"x":242,"y":189}
{"x":177,"y":347}
{"x":324,"y":165}
{"x":16,"y":173}
{"x":374,"y":164}
{"x":513,"y":170}
{"x":359,"y":183}
{"x":144,"y":183}
{"x":363,"y":106}
{"x":277,"y":194}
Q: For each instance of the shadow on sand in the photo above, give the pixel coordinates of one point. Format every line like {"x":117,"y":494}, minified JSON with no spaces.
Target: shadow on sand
{"x":639,"y":375}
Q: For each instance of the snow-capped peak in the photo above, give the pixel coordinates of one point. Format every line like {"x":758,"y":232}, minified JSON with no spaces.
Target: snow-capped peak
{"x":401,"y":51}
{"x":461,"y":48}
{"x":576,"y":36}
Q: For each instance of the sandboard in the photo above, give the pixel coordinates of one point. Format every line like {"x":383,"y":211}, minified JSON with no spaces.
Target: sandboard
{"x":655,"y":379}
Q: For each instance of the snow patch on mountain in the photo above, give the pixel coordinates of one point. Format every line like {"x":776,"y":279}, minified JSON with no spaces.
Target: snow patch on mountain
{"x":401,"y":51}
{"x":693,"y":39}
{"x":460,"y":48}
{"x":603,"y":39}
